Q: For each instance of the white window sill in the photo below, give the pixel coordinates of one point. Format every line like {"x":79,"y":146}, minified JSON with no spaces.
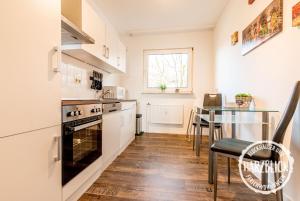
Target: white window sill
{"x":169,"y":92}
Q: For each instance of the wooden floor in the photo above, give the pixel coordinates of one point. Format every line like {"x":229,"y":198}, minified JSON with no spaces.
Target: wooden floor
{"x":157,"y":167}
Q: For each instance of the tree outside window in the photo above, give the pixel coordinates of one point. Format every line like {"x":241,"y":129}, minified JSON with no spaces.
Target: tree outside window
{"x":172,"y":68}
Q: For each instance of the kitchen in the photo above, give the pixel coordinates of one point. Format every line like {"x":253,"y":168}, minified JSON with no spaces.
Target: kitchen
{"x":65,"y":94}
{"x":82,"y":79}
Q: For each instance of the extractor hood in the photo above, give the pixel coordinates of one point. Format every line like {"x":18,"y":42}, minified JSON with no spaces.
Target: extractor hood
{"x":72,"y":40}
{"x":71,"y":34}
{"x":79,"y":53}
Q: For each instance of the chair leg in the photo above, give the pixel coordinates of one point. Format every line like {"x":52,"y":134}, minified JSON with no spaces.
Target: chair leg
{"x":228,"y":170}
{"x":221,"y":130}
{"x":216,"y":134}
{"x":215,"y":175}
{"x":279,"y":193}
{"x":220,"y":134}
{"x":194,"y":136}
{"x":201,"y":134}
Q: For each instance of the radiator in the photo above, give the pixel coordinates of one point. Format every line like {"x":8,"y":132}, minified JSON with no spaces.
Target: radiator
{"x":166,"y":114}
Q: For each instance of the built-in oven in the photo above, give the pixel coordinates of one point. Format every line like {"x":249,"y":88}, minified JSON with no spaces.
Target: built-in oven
{"x":81,"y":136}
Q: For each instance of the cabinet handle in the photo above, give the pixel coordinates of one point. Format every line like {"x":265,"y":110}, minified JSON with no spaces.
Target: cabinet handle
{"x":107,"y":53}
{"x":58,"y":140}
{"x":56,"y":59}
{"x":104,"y":51}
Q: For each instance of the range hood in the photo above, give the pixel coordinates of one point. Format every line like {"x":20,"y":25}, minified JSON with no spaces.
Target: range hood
{"x":79,"y":53}
{"x":71,"y":34}
{"x":72,"y":40}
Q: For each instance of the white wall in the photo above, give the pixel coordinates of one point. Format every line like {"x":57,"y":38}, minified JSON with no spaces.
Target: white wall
{"x":269,"y":72}
{"x":72,"y":69}
{"x":202,"y":75}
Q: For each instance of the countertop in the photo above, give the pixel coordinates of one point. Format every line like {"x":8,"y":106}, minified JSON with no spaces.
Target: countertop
{"x":115,"y":100}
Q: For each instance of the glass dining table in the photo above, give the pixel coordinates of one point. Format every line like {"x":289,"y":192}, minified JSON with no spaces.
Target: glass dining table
{"x":215,"y":115}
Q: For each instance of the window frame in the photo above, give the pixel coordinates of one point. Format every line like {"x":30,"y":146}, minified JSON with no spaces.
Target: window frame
{"x":189,"y":51}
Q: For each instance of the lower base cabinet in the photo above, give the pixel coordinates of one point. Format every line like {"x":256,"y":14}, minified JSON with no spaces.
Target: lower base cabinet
{"x":28,"y":170}
{"x":118,"y":130}
{"x":128,"y":124}
{"x":111,"y":135}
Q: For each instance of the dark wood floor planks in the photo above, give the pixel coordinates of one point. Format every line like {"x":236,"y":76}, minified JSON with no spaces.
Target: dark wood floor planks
{"x":163,"y":167}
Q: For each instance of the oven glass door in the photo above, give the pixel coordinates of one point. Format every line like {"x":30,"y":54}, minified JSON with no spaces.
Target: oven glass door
{"x":82,"y":145}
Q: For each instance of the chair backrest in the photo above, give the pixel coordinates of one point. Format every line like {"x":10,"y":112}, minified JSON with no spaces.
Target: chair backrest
{"x":212,"y":100}
{"x":287,"y":115}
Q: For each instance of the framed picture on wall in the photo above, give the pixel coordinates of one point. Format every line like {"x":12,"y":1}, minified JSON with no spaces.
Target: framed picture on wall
{"x":250,"y":2}
{"x":296,"y":15}
{"x":268,"y":24}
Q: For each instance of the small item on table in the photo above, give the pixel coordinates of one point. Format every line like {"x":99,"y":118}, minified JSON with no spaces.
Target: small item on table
{"x":243,"y":99}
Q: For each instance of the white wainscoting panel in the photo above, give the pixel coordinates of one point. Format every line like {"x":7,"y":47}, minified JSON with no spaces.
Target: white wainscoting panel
{"x":167,"y":114}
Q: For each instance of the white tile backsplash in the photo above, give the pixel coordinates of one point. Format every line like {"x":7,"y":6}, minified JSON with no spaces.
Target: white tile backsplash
{"x":76,"y":82}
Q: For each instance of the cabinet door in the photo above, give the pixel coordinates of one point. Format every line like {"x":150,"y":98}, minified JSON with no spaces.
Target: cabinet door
{"x":93,"y":25}
{"x":122,"y":53}
{"x":133,"y":121}
{"x":30,"y":90}
{"x":111,"y":135}
{"x":125,"y":127}
{"x":112,"y":39}
{"x":28,"y":169}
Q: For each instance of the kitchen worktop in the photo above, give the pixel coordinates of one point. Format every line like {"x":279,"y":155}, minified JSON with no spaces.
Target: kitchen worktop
{"x":77,"y":101}
{"x":117,"y":100}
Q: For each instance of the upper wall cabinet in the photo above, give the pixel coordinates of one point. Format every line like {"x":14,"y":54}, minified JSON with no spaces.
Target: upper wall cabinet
{"x":95,"y":26}
{"x":112,"y":40}
{"x":104,"y":52}
{"x":121,"y":59}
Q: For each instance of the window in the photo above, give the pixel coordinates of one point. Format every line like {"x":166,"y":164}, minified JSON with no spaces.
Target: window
{"x":171,"y":68}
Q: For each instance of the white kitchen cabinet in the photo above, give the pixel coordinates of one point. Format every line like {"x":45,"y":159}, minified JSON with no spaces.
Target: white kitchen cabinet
{"x":111,"y":135}
{"x":112,"y":39}
{"x":128,"y":123}
{"x":84,"y":15}
{"x":133,"y":121}
{"x":29,"y":171}
{"x":96,"y":28}
{"x":118,"y":130}
{"x":125,"y":128}
{"x":121,"y":59}
{"x":107,"y":47}
{"x":30,"y":90}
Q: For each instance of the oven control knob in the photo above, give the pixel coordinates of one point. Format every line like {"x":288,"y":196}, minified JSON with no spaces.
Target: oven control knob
{"x":76,"y":113}
{"x":94,"y":110}
{"x":79,"y":112}
{"x":70,"y":114}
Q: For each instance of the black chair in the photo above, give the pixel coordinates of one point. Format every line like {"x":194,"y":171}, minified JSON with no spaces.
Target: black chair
{"x":210,"y":100}
{"x":232,"y":148}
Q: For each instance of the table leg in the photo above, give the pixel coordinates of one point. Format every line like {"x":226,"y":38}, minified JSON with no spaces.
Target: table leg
{"x":211,"y":141}
{"x":233,"y":126}
{"x":265,"y":126}
{"x":265,"y":136}
{"x":198,"y":120}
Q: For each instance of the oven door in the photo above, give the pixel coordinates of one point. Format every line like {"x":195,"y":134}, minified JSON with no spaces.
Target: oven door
{"x":82,"y":145}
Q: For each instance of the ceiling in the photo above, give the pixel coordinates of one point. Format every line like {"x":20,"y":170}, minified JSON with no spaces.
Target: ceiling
{"x":150,"y":16}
